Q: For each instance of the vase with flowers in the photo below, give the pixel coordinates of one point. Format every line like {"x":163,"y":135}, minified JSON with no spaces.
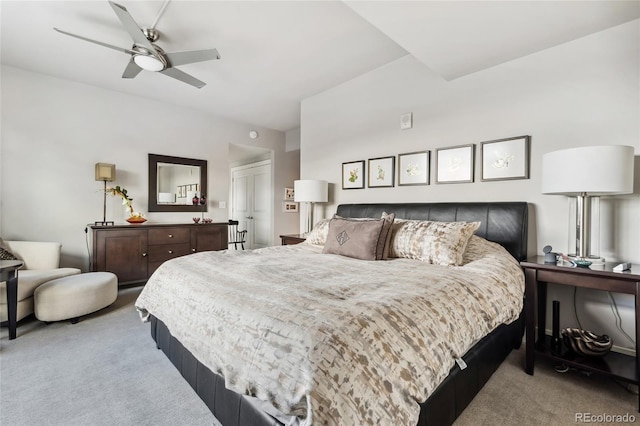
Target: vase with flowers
{"x":134,"y":217}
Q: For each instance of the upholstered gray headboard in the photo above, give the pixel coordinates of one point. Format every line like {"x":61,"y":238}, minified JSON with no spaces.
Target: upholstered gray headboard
{"x":502,"y":222}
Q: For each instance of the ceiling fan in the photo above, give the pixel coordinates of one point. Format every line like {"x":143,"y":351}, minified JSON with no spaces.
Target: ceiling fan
{"x":145,"y":55}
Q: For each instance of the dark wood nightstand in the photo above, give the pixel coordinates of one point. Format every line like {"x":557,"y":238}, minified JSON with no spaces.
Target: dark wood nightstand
{"x":537,"y":275}
{"x":292,"y":239}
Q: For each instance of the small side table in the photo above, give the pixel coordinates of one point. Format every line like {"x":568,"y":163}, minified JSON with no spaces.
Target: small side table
{"x":291,"y":239}
{"x":537,"y":275}
{"x":8,"y":273}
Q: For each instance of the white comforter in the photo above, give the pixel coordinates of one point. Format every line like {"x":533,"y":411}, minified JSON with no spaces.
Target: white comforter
{"x":330,"y":339}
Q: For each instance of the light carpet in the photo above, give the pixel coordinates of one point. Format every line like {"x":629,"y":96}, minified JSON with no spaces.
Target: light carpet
{"x":106,"y":370}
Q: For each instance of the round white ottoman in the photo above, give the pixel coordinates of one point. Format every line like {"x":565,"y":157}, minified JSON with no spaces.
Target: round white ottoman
{"x":74,"y":296}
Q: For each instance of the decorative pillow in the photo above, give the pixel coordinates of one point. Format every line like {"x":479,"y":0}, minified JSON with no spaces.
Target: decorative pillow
{"x":382,"y":251}
{"x":355,"y":238}
{"x":318,"y":235}
{"x":441,"y":243}
{"x":5,"y":254}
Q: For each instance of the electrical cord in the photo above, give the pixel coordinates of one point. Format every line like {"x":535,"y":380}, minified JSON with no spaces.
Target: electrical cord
{"x":86,"y":238}
{"x":614,"y":309}
{"x":616,"y":313}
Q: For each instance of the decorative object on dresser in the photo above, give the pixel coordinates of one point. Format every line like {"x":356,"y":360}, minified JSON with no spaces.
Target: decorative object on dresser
{"x":134,"y":217}
{"x":310,"y":191}
{"x":133,"y":253}
{"x":106,"y":173}
{"x":586,"y":173}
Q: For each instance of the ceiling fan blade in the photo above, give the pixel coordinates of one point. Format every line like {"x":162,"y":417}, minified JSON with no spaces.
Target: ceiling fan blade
{"x":191,"y":56}
{"x":119,"y":49}
{"x":132,"y":28}
{"x":184,"y":77}
{"x":131,"y":70}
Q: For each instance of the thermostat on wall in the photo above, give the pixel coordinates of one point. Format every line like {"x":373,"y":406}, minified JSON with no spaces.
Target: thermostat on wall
{"x":406,"y":121}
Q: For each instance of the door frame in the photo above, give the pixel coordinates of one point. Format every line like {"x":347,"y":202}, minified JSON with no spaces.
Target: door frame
{"x":261,"y":163}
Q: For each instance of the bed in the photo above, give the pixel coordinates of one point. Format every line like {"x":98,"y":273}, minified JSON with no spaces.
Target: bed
{"x":305,"y":360}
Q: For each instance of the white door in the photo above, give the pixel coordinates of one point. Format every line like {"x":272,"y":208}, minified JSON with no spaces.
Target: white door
{"x":251,"y":202}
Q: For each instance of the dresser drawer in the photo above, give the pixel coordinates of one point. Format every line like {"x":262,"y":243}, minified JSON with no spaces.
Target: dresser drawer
{"x":162,"y":252}
{"x":169,"y":235}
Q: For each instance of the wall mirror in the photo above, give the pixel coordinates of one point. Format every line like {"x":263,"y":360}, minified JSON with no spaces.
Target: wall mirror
{"x":174,"y":181}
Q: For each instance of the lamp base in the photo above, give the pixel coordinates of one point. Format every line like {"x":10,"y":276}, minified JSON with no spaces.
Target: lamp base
{"x":104,"y":223}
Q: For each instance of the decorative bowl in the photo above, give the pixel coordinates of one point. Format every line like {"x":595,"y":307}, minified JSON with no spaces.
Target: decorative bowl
{"x":195,"y":219}
{"x":136,"y":219}
{"x":207,"y":220}
{"x":585,"y":342}
{"x":582,"y":263}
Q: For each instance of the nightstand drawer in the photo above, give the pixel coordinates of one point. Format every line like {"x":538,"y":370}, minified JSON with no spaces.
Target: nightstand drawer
{"x":169,"y":235}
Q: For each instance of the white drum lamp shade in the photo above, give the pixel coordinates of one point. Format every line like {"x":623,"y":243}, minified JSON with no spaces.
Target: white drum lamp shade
{"x":588,"y":172}
{"x":310,"y":191}
{"x":596,"y":170}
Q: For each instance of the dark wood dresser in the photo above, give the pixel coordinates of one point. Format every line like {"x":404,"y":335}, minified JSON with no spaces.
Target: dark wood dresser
{"x":134,"y":252}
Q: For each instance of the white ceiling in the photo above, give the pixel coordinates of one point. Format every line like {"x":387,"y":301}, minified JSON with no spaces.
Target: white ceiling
{"x":274,"y":54}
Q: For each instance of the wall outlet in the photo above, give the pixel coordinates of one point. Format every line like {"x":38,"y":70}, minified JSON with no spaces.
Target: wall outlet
{"x":222,"y":204}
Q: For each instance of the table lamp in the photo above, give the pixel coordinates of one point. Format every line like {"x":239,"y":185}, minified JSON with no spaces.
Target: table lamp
{"x":587,"y":173}
{"x":106,"y":173}
{"x":310,"y":191}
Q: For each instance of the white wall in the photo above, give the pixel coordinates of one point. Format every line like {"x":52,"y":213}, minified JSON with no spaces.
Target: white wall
{"x":54,"y":131}
{"x":586,"y":92}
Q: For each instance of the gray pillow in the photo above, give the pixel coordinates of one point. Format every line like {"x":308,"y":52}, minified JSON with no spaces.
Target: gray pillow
{"x":355,"y":238}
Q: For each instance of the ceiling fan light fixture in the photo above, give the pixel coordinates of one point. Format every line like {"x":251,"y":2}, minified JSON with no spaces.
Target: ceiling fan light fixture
{"x":149,"y":63}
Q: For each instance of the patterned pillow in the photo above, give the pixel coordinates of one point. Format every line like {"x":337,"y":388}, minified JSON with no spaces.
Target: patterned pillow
{"x":5,"y":254}
{"x":441,"y":243}
{"x":318,"y":235}
{"x":355,"y":238}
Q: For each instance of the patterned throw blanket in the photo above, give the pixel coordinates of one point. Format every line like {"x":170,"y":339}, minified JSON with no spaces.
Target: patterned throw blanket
{"x":331,"y":339}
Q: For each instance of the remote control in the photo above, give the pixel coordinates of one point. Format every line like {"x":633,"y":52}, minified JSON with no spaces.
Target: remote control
{"x":622,"y":267}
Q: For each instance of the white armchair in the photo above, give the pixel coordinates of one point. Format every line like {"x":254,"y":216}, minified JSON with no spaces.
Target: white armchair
{"x":41,"y":264}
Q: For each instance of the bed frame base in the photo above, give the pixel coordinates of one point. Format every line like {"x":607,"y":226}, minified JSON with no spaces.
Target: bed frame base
{"x":442,"y":408}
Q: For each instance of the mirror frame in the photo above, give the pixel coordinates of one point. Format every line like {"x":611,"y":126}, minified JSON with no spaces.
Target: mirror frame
{"x":153,"y":205}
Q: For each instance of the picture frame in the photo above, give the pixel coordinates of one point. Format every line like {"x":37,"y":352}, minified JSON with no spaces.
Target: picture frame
{"x":455,"y":164}
{"x":505,"y":159}
{"x":289,"y":194}
{"x":382,"y":172}
{"x":353,"y":175}
{"x":414,"y":168}
{"x":289,"y":207}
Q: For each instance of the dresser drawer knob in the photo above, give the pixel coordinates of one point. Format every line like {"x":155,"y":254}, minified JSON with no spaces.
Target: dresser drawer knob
{"x":170,"y":236}
{"x":144,"y":254}
{"x":193,"y":250}
{"x":170,"y":251}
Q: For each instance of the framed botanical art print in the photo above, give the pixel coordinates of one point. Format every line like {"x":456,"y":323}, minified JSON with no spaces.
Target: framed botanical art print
{"x":413,"y":168}
{"x":381,"y":172}
{"x":455,"y":164}
{"x":505,"y":159}
{"x":289,"y":194}
{"x":353,"y":175}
